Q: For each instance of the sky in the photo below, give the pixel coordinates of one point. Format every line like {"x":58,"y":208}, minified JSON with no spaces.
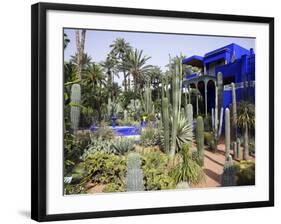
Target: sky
{"x":157,"y":46}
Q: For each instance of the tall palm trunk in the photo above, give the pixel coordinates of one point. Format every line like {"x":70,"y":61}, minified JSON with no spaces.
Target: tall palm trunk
{"x":129,"y":82}
{"x":125,"y":80}
{"x":80,"y":42}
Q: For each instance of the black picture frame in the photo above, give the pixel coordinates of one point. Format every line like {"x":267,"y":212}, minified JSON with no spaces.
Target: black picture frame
{"x":38,"y":108}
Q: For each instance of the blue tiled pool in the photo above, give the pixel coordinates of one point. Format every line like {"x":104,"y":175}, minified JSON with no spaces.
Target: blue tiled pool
{"x":122,"y":130}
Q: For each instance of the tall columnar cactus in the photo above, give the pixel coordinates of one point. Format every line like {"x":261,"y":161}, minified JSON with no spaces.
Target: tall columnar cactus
{"x":234,"y":113}
{"x":189,"y":114}
{"x":213,"y":119}
{"x":75,"y":107}
{"x":125,"y":114}
{"x":200,"y":139}
{"x":228,"y":176}
{"x":217,"y":117}
{"x":147,"y":100}
{"x":220,"y":92}
{"x":235,"y":150}
{"x":176,"y":96}
{"x":134,"y":173}
{"x":238,"y":148}
{"x":166,"y":125}
{"x":227,"y":133}
{"x":246,"y":143}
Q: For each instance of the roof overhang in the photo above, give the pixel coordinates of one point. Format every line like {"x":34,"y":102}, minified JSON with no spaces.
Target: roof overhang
{"x":194,"y":60}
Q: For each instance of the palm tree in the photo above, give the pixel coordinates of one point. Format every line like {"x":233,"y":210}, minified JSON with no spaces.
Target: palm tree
{"x":80,"y":43}
{"x":135,"y":64}
{"x":245,"y":120}
{"x":154,"y":76}
{"x":65,"y":40}
{"x":85,"y":62}
{"x":94,"y":75}
{"x":120,"y":48}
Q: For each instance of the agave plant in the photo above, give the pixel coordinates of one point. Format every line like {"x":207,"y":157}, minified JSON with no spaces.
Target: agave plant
{"x":122,"y":145}
{"x":184,"y":133}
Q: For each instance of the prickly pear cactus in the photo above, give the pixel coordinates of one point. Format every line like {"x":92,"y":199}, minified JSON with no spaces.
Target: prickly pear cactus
{"x":134,"y":173}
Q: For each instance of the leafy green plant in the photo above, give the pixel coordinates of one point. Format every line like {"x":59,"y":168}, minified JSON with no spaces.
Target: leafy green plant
{"x":122,"y":145}
{"x":104,"y":133}
{"x":245,"y":172}
{"x":103,"y":168}
{"x":98,"y":145}
{"x":127,"y":122}
{"x":188,"y":170}
{"x":149,"y":137}
{"x":155,"y":169}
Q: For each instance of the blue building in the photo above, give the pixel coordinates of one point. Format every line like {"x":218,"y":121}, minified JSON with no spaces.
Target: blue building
{"x":231,"y":63}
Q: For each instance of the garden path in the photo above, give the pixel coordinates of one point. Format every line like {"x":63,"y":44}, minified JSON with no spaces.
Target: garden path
{"x":213,"y":167}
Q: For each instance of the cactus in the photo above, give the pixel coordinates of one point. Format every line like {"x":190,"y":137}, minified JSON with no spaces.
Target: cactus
{"x":238,"y":147}
{"x":75,"y":107}
{"x":228,"y":176}
{"x":166,"y":125}
{"x":213,"y":119}
{"x":189,"y":114}
{"x":134,"y":173}
{"x":125,"y":114}
{"x":234,"y":145}
{"x":200,"y":139}
{"x":234,"y":113}
{"x":246,"y":143}
{"x":147,"y":100}
{"x":176,"y":96}
{"x":227,"y":133}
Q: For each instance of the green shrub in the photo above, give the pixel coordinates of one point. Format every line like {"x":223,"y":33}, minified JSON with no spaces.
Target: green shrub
{"x":155,"y":169}
{"x":113,"y":187}
{"x":127,"y":122}
{"x":98,"y":145}
{"x":188,"y":170}
{"x":122,"y":145}
{"x":245,"y":172}
{"x":74,"y":189}
{"x":209,"y":140}
{"x":103,"y":133}
{"x":74,"y":147}
{"x":102,"y":168}
{"x":149,"y":137}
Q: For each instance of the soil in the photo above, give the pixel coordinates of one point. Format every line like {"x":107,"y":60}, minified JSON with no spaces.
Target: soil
{"x":98,"y":188}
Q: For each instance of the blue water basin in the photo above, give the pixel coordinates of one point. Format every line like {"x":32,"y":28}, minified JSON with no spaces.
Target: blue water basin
{"x":121,"y":130}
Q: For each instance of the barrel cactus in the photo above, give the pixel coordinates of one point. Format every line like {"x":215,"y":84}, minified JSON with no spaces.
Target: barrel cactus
{"x":75,"y":106}
{"x":134,"y":173}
